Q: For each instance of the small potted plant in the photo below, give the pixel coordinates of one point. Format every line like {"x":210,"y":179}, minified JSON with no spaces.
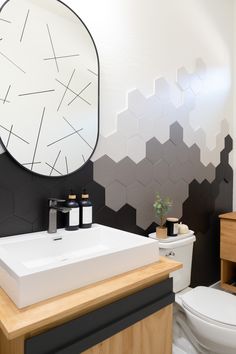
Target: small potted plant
{"x":162,"y":206}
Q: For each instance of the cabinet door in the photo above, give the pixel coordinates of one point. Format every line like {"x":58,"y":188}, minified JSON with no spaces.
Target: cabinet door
{"x":228,"y":240}
{"x":152,"y":335}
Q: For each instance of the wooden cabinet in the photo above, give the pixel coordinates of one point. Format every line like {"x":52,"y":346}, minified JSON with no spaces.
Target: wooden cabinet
{"x":127,"y":314}
{"x":151,"y":335}
{"x":228,"y":251}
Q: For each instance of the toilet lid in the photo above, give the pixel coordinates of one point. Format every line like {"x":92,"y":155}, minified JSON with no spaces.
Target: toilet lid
{"x":212,"y":304}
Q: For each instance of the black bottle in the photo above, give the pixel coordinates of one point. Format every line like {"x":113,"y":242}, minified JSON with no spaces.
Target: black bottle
{"x":72,"y":217}
{"x":86,"y":211}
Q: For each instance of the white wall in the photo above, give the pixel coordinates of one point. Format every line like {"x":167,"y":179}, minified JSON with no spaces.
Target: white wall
{"x":139,"y":41}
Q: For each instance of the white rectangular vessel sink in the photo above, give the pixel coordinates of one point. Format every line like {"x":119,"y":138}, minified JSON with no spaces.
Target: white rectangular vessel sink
{"x":37,"y":266}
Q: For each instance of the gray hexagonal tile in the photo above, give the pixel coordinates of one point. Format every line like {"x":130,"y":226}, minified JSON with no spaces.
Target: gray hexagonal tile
{"x":183,"y":78}
{"x":210,"y":172}
{"x":104,"y":171}
{"x":169,"y":152}
{"x":125,"y":171}
{"x":136,"y":148}
{"x":127,"y":124}
{"x":196,"y":84}
{"x":188,"y":171}
{"x":144,"y":172}
{"x":115,"y":196}
{"x":168,"y":189}
{"x":176,"y":171}
{"x":161,"y":172}
{"x":116,"y":146}
{"x":181,"y":191}
{"x":137,"y":103}
{"x":144,"y":216}
{"x":135,"y":192}
{"x":201,"y":69}
{"x":162,"y":89}
{"x":145,"y":211}
{"x":154,"y":150}
{"x":194,"y":153}
{"x":182,"y":152}
{"x":176,"y":133}
{"x":199,"y":171}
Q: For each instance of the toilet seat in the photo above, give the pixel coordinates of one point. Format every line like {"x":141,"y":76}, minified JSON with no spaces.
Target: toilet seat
{"x":211,"y":305}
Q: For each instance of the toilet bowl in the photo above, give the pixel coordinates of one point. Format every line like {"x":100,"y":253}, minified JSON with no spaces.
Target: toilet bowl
{"x":204,"y":318}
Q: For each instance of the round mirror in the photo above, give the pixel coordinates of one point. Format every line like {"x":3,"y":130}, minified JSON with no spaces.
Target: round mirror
{"x":49,"y":87}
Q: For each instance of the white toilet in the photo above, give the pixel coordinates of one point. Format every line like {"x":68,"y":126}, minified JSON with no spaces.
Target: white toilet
{"x":204,"y":318}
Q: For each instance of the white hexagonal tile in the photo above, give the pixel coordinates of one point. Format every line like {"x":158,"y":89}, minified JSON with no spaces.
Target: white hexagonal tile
{"x":154,"y":107}
{"x":146,"y":127}
{"x":115,"y":196}
{"x":127,"y":124}
{"x":137,"y":103}
{"x":136,"y":148}
{"x":116,"y":146}
{"x":189,"y":99}
{"x":162,"y":89}
{"x":169,"y":112}
{"x":196,"y":84}
{"x":176,"y":95}
{"x":101,"y":148}
{"x":161,"y":129}
{"x":201,"y":69}
{"x":183,"y":78}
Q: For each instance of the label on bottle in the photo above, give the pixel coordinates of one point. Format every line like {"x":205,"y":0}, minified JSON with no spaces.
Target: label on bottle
{"x":74,"y":217}
{"x":87,"y":215}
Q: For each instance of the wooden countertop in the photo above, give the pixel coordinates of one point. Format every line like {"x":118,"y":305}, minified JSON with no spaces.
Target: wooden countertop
{"x":230,"y":216}
{"x":16,"y":322}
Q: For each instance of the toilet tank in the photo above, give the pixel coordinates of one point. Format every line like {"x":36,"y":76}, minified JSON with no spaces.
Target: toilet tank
{"x":179,"y":248}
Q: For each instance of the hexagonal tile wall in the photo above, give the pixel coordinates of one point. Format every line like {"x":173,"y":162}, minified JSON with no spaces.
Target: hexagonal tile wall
{"x":147,"y":117}
{"x":157,"y":142}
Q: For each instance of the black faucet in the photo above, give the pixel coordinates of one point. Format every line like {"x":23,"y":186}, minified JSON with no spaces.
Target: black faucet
{"x":53,"y":209}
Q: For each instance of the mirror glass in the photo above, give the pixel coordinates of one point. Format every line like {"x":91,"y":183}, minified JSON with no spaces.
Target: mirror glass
{"x":49,"y":86}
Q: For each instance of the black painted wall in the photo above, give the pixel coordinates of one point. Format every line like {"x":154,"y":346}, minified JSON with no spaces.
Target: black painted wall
{"x":24,"y":207}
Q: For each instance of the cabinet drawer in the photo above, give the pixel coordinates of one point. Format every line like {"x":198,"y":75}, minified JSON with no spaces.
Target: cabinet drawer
{"x":86,"y":331}
{"x":228,"y":240}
